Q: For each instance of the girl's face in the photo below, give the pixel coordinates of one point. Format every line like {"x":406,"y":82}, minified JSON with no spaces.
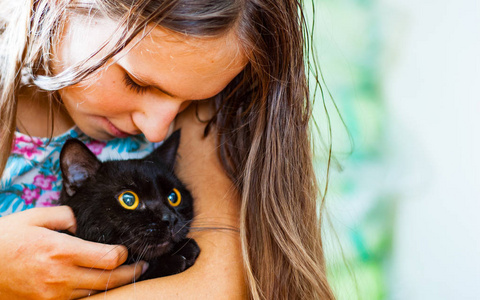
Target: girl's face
{"x":146,"y":85}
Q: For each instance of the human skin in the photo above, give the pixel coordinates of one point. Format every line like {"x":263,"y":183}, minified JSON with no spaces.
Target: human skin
{"x":103,"y":106}
{"x":188,"y":69}
{"x":40,"y":263}
{"x":218,"y":271}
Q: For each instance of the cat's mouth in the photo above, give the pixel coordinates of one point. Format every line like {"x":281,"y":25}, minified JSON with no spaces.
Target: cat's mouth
{"x":150,"y":251}
{"x":158,"y":246}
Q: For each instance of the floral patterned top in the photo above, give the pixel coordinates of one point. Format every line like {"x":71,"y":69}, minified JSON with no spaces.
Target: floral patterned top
{"x":32,"y":176}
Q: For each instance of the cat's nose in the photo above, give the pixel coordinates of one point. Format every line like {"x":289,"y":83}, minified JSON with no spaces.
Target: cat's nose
{"x":170,"y":220}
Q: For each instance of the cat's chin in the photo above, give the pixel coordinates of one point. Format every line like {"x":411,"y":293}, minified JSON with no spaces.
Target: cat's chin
{"x":148,"y":252}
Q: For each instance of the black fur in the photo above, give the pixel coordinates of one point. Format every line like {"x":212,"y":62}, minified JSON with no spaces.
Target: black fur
{"x":155,"y":231}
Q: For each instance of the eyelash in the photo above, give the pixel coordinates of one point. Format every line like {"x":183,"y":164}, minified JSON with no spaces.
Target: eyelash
{"x":133,"y":85}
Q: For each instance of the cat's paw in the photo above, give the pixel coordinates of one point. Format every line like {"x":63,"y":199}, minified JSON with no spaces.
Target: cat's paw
{"x":181,"y":258}
{"x":189,"y":250}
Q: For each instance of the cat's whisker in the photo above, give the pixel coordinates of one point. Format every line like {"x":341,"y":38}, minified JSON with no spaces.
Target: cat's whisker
{"x":141,"y":187}
{"x":183,"y":226}
{"x":126,"y":243}
{"x":144,"y":251}
{"x":205,"y":228}
{"x":136,"y":265}
{"x":108,"y":281}
{"x":184,"y":244}
{"x":209,"y":225}
{"x":210,"y":219}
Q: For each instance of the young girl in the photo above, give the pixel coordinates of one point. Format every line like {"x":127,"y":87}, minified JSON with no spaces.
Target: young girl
{"x":120,"y":75}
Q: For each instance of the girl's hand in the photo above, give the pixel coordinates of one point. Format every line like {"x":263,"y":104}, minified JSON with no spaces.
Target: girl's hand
{"x":37,"y":262}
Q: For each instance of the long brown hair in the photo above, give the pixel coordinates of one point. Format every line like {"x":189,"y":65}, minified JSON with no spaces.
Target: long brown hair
{"x":262,"y":118}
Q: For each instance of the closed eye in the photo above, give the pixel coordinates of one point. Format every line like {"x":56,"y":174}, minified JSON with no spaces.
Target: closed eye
{"x":132,"y":85}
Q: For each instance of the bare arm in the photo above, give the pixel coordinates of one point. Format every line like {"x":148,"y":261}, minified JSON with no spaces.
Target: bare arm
{"x":218,"y":271}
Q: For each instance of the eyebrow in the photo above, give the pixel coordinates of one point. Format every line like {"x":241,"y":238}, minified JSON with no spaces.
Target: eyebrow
{"x":149,"y":82}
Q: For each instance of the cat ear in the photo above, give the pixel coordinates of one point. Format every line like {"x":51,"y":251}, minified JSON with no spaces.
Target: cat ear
{"x":165,"y":154}
{"x":77,"y":163}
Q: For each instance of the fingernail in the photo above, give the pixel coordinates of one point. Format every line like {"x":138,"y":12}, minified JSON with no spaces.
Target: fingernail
{"x":145,"y":268}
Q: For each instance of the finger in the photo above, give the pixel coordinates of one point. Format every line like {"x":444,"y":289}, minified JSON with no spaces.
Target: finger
{"x":54,"y":218}
{"x":93,"y":255}
{"x":101,"y":280}
{"x":82,"y":293}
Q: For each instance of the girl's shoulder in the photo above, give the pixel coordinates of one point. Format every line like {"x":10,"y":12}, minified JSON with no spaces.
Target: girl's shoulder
{"x":32,"y":177}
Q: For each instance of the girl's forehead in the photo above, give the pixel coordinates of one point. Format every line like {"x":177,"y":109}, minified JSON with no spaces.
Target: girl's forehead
{"x":162,"y":43}
{"x":182,"y":62}
{"x":186,"y":66}
{"x":85,"y":35}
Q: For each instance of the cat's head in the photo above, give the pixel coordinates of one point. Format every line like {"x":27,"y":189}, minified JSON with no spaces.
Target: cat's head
{"x":138,"y":203}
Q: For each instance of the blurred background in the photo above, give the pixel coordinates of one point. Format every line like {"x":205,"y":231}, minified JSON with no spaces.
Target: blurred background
{"x":403,"y":205}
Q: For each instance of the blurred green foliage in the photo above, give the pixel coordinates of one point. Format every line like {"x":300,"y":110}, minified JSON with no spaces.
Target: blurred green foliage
{"x":359,"y":219}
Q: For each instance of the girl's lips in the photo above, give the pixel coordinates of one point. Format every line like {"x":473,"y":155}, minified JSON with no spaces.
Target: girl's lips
{"x":115,"y":131}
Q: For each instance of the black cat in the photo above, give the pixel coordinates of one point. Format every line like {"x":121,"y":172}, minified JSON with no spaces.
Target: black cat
{"x":138,"y":203}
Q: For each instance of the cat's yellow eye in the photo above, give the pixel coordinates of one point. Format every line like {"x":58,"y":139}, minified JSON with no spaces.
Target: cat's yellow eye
{"x":129,"y":200}
{"x":174,"y":198}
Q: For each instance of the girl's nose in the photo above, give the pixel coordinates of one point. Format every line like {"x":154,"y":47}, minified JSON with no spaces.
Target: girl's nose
{"x":154,"y":120}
